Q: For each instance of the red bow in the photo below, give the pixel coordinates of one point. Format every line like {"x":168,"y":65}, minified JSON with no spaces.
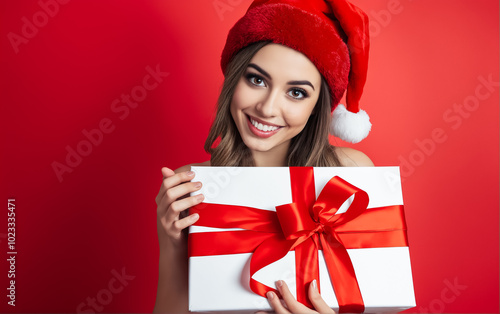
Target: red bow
{"x":306,"y":225}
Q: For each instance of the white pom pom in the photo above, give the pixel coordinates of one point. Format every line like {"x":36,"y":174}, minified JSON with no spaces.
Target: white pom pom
{"x":348,"y":126}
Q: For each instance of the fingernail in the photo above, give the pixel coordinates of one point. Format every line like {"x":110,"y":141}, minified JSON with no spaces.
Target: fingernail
{"x":270,"y":295}
{"x":315,"y":286}
{"x":195,"y":217}
{"x":190,"y":173}
{"x":200,"y":197}
{"x":197,"y":185}
{"x":279,"y":283}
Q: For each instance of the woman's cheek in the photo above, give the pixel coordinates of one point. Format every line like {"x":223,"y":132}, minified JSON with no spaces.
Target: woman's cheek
{"x":241,"y":98}
{"x":299,"y":115}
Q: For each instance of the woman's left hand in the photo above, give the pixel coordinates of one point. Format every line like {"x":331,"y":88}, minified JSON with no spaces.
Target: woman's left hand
{"x":293,"y":306}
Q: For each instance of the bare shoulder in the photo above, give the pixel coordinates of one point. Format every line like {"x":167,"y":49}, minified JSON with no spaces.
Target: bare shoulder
{"x":188,"y":167}
{"x":350,"y":157}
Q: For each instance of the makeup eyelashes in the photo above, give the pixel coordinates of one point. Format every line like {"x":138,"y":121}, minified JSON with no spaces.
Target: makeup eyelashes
{"x":251,"y":77}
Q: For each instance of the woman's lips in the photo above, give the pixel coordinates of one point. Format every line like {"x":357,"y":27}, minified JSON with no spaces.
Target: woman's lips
{"x":260,"y":129}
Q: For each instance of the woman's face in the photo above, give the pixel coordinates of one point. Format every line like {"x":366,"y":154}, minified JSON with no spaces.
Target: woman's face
{"x":275,"y":97}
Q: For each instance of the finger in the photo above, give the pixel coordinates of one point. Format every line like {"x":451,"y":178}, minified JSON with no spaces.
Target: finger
{"x":170,"y":178}
{"x":167,"y":172}
{"x":176,"y":192}
{"x":316,"y":299}
{"x":175,"y":179}
{"x":293,"y":305}
{"x":180,"y":224}
{"x":181,"y":205}
{"x":170,"y":185}
{"x":275,"y":303}
{"x":174,"y":228}
{"x":178,"y":178}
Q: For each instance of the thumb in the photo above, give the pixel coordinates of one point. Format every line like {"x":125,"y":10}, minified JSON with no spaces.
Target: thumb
{"x":167,"y":172}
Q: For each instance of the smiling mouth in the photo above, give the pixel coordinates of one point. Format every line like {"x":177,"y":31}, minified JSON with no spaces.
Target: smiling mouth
{"x":262,"y":127}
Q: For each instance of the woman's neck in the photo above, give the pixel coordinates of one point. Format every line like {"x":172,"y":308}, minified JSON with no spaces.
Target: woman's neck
{"x":276,"y":157}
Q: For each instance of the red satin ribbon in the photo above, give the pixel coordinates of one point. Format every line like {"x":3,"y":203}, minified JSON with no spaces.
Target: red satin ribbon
{"x":306,"y":225}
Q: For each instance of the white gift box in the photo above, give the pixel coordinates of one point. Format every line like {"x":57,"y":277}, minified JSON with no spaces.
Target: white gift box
{"x":221,"y":282}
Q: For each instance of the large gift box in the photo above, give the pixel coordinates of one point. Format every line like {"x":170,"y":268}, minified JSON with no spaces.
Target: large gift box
{"x":343,"y":226}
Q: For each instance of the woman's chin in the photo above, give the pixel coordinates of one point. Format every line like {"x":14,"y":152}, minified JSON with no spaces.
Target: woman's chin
{"x":262,"y":145}
{"x":259,"y":148}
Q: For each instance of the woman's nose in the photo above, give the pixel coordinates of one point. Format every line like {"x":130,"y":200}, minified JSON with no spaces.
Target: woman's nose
{"x":268,"y":105}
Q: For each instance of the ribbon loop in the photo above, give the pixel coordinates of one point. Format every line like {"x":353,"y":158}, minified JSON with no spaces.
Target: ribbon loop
{"x":335,"y":193}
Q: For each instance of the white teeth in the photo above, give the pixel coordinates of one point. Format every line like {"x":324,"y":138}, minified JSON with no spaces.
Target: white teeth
{"x":262,"y":127}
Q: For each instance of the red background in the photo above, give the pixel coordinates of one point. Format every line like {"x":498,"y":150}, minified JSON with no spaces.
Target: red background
{"x":426,"y":57}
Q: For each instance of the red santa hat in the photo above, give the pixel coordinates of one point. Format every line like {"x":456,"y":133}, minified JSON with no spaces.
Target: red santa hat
{"x":333,"y":34}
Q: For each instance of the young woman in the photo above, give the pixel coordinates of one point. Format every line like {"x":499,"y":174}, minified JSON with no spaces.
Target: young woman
{"x":274,"y":110}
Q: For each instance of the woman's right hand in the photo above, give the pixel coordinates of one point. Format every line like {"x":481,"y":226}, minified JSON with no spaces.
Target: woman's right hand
{"x":173,"y":199}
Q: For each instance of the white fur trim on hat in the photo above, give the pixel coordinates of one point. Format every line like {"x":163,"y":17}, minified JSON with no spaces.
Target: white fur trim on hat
{"x":349,"y":126}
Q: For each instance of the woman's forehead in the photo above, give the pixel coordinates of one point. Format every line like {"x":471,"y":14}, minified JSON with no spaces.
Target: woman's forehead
{"x":281,"y":61}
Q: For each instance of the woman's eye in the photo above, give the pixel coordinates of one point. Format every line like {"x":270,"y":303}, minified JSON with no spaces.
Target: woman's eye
{"x":255,"y":80}
{"x":298,"y":93}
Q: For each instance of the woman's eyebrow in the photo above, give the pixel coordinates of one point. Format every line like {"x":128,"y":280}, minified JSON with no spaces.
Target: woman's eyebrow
{"x":301,"y":83}
{"x":258,"y":68}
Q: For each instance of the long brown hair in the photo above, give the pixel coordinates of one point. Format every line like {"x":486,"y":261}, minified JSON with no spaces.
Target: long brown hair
{"x":308,"y":148}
